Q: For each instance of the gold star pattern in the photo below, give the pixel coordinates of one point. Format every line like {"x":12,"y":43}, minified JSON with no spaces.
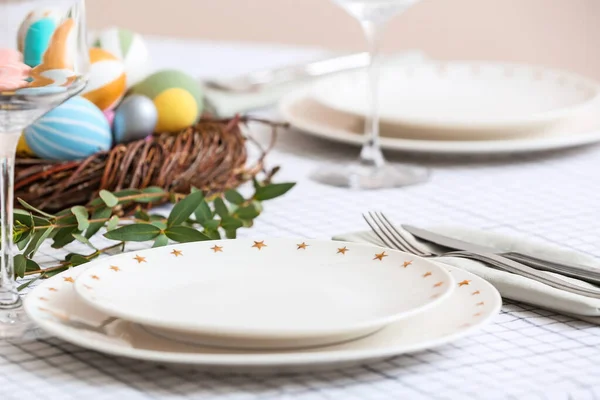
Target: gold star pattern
{"x":302,"y":246}
{"x":480,"y":304}
{"x":464,"y":283}
{"x":477,"y":314}
{"x":95,"y":277}
{"x":88,"y":287}
{"x":438,"y":284}
{"x":115,"y":268}
{"x":139,"y":259}
{"x":380,"y":256}
{"x":406,"y":263}
{"x":68,"y":279}
{"x":43,"y":299}
{"x":177,"y":253}
{"x":259,"y":245}
{"x":475,"y":293}
{"x":435,"y":296}
{"x":217,"y":249}
{"x":342,"y":250}
{"x":52,"y":289}
{"x":426,"y":274}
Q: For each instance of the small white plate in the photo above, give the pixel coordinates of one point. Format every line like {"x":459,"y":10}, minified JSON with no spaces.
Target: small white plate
{"x":270,"y":293}
{"x":462,"y":97}
{"x":310,"y":117}
{"x":55,"y":307}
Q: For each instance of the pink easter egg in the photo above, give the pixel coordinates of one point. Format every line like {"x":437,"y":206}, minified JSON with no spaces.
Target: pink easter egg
{"x":13,"y":73}
{"x":110,"y":116}
{"x":8,"y":56}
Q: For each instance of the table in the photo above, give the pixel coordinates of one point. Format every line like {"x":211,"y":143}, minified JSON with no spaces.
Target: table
{"x":527,"y":353}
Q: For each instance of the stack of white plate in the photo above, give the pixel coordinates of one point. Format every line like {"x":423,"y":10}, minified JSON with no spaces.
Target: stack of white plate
{"x":455,"y":107}
{"x":276,"y":304}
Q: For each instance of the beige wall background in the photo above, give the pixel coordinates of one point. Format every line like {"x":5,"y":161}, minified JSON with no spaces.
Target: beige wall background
{"x":558,"y":33}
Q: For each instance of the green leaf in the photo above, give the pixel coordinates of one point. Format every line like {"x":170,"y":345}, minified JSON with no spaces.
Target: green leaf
{"x":182,"y":210}
{"x":234,"y":197}
{"x":213,"y":234}
{"x":231,"y":234}
{"x":21,"y":244}
{"x":77,"y":259}
{"x":63,"y":237}
{"x":29,"y":282}
{"x":20,"y":265}
{"x":32,"y":208}
{"x":161,"y":240}
{"x":211,"y":225}
{"x":28,"y":219}
{"x":221,"y":208}
{"x":203,"y":213}
{"x":32,"y":266}
{"x":57,"y":271}
{"x":248,"y":212}
{"x":108,"y":198}
{"x":83,"y":240}
{"x":183,"y":234}
{"x":159,"y":224}
{"x":134,"y":233}
{"x":112,"y":223}
{"x":231,"y":223}
{"x":126,"y":193}
{"x":82,"y":215}
{"x":142,"y":215}
{"x":36,"y":241}
{"x":272,"y":191}
{"x":256,"y":184}
{"x":101,"y":213}
{"x":160,"y":195}
{"x":157,"y":217}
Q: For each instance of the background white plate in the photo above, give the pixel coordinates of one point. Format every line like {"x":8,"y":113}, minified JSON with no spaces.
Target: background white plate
{"x":55,"y":307}
{"x":270,"y":293}
{"x":310,"y":117}
{"x":492,"y":99}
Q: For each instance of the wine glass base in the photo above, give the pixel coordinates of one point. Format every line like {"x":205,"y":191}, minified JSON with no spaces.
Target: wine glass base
{"x":14,"y":322}
{"x":369,"y":177}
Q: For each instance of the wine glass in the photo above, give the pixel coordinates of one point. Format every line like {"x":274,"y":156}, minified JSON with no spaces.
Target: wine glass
{"x":43,"y":62}
{"x":371,"y":171}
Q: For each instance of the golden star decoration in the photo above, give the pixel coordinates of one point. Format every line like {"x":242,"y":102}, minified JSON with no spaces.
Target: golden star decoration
{"x":380,"y":256}
{"x":52,"y":289}
{"x":426,"y":274}
{"x":480,"y":304}
{"x":217,"y":249}
{"x":438,"y":284}
{"x":43,"y":299}
{"x":177,"y":253}
{"x":139,"y":259}
{"x":259,"y":245}
{"x":464,"y":283}
{"x":115,"y":268}
{"x":95,"y":277}
{"x":343,"y":250}
{"x":475,"y":293}
{"x":477,"y":314}
{"x":68,"y":279}
{"x":302,"y":246}
{"x":407,"y":263}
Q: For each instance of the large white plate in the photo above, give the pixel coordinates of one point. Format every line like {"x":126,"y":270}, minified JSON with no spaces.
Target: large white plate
{"x":310,"y":117}
{"x":454,"y":98}
{"x":271,"y":293}
{"x":55,"y":307}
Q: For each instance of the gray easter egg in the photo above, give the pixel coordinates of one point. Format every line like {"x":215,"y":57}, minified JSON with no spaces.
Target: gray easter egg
{"x":135,"y":118}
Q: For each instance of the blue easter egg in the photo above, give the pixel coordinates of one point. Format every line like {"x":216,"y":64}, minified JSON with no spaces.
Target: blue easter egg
{"x":72,"y":131}
{"x":36,"y":41}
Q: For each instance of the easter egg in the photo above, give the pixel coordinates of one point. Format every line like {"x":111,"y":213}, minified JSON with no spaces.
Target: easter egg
{"x":35,"y":33}
{"x":72,"y":131}
{"x":23,"y":149}
{"x":110,"y":116}
{"x":130,"y":48}
{"x":106,"y":84}
{"x":177,"y":97}
{"x":135,"y":118}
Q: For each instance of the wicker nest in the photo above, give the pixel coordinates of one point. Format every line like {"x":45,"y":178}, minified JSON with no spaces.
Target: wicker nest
{"x":212,"y":156}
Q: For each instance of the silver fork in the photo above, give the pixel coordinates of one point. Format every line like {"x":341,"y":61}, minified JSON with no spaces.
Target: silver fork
{"x":394,"y":238}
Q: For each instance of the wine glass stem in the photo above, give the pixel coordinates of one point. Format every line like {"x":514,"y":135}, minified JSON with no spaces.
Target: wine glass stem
{"x":371,"y":154}
{"x":9,"y":296}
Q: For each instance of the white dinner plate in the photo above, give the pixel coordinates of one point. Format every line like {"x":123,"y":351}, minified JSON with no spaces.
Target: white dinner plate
{"x":463,"y":98}
{"x":310,"y":117}
{"x":270,"y":293}
{"x":55,"y":307}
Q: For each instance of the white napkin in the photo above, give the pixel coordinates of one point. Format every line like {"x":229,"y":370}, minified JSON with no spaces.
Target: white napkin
{"x":227,"y":104}
{"x":509,"y":285}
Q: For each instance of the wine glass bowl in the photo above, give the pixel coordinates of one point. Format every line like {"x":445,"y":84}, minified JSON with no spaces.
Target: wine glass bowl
{"x":44,"y":60}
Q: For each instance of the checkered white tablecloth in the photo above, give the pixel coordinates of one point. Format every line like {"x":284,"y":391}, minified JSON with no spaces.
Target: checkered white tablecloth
{"x":527,"y":353}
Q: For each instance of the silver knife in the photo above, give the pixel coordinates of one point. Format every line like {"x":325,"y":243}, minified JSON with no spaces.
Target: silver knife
{"x":254,"y":81}
{"x":576,"y":271}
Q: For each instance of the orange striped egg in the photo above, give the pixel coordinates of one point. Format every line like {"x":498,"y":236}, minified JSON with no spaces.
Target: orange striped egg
{"x":107,"y":80}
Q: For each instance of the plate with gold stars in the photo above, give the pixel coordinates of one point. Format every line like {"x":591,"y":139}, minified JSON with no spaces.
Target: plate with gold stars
{"x":55,"y":307}
{"x":268,"y":293}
